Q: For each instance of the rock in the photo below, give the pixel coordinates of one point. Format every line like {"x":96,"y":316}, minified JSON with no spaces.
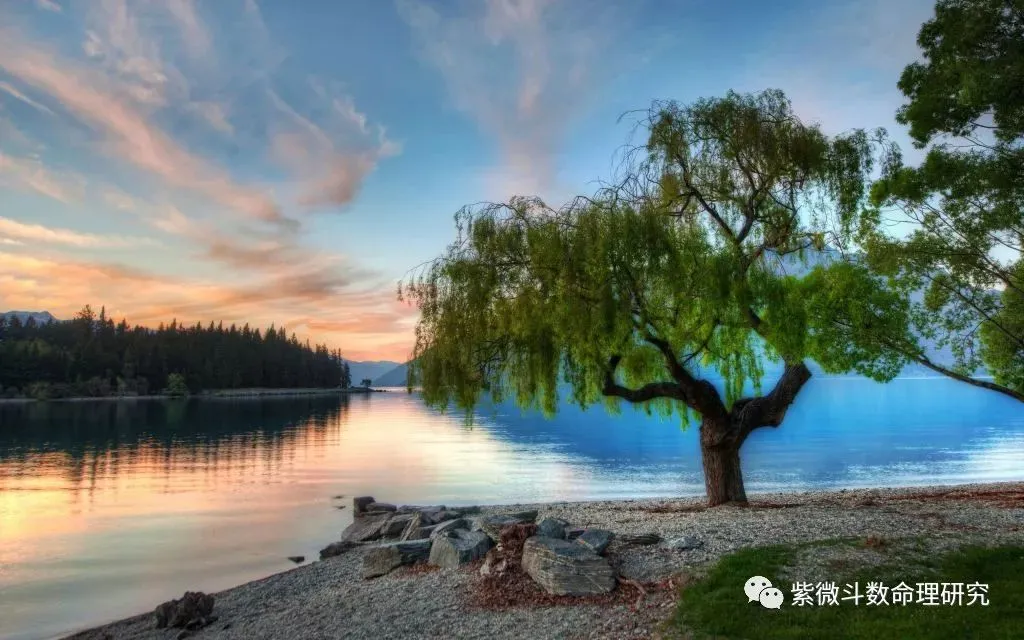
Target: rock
{"x":367,"y":527}
{"x":336,"y":549}
{"x":470,"y":511}
{"x":340,"y":506}
{"x":396,"y":525}
{"x":552,"y":528}
{"x":381,"y":506}
{"x":297,"y":559}
{"x":641,"y":538}
{"x":193,"y":611}
{"x":684,"y":543}
{"x":597,"y":540}
{"x":183,"y":634}
{"x":449,"y":526}
{"x":566,"y":568}
{"x":359,"y":504}
{"x":383,"y":559}
{"x":459,"y":548}
{"x":412,"y":527}
{"x":407,"y":508}
{"x":495,"y":563}
{"x":573,"y":533}
{"x":439,"y":516}
{"x":492,"y":525}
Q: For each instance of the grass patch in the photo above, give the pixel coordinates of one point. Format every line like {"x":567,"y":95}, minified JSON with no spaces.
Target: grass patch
{"x":717,"y":608}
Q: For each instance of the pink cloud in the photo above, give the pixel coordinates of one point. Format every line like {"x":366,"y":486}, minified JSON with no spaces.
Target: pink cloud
{"x":31,"y":174}
{"x":20,"y":232}
{"x":131,"y":137}
{"x":62,"y":286}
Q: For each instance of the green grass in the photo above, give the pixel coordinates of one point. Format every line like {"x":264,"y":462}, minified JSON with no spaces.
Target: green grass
{"x":715,"y":607}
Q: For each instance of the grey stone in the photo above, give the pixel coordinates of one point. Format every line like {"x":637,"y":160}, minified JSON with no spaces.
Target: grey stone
{"x":458,"y":549}
{"x":382,"y":559}
{"x":367,"y":527}
{"x":412,"y":527}
{"x":297,"y":559}
{"x":449,"y":526}
{"x":191,"y":611}
{"x":439,"y":516}
{"x":492,"y":525}
{"x":640,"y":538}
{"x":381,"y":506}
{"x":597,"y":540}
{"x":396,"y":525}
{"x":359,"y":504}
{"x":336,"y":549}
{"x":566,"y":568}
{"x":573,"y":533}
{"x":684,"y":543}
{"x":409,"y":508}
{"x":552,"y":528}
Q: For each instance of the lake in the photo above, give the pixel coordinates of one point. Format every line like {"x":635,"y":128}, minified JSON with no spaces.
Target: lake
{"x":108,"y":508}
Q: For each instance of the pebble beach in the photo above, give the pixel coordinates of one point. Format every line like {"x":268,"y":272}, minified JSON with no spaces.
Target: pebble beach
{"x":330,"y":599}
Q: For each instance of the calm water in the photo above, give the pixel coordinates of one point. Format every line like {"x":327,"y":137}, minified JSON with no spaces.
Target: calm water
{"x":108,"y":508}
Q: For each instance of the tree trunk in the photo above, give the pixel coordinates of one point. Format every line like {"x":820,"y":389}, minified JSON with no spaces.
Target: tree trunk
{"x":723,"y":477}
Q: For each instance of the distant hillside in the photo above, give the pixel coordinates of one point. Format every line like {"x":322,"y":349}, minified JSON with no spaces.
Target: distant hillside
{"x":394,"y":378}
{"x":41,"y":317}
{"x":371,"y":369}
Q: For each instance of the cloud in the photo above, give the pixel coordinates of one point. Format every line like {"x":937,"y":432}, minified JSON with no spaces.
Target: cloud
{"x":207,"y":132}
{"x":130,"y":136}
{"x":20,"y":232}
{"x":49,"y":5}
{"x":8,"y":89}
{"x":63,"y":285}
{"x":31,"y":174}
{"x":307,"y":149}
{"x":520,"y":68}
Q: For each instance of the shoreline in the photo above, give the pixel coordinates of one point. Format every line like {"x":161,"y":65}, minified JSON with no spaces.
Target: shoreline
{"x":322,"y":597}
{"x":209,"y":395}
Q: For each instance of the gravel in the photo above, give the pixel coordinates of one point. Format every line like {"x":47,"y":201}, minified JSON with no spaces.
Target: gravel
{"x":329,"y":599}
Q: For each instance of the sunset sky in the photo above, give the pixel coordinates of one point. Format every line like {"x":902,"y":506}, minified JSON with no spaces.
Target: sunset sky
{"x":289,"y":161}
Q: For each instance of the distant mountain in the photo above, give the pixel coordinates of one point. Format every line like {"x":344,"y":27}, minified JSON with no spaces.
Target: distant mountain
{"x":371,"y":369}
{"x":41,"y":317}
{"x":393,"y":378}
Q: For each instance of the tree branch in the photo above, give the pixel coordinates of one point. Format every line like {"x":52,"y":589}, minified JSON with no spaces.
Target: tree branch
{"x":769,"y":410}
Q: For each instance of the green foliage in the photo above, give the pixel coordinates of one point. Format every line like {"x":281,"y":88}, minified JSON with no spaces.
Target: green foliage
{"x":1002,"y":353}
{"x":686,"y":251}
{"x":965,"y":203}
{"x":973,"y":67}
{"x":715,"y":606}
{"x":176,"y":386}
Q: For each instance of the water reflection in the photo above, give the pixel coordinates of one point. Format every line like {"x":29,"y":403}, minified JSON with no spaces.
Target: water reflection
{"x":111,"y":507}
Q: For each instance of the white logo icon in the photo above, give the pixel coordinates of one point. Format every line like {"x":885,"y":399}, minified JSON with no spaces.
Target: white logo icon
{"x":760,"y":589}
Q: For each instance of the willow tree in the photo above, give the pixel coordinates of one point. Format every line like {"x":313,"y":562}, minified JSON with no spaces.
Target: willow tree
{"x":655,"y":289}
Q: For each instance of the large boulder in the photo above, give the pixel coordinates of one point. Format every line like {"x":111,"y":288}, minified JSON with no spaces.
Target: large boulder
{"x":438,"y":516}
{"x":396,"y":525}
{"x":408,"y":508}
{"x":336,"y":549}
{"x":381,"y":506}
{"x":449,"y":525}
{"x":365,"y":528}
{"x":383,"y":559}
{"x":597,"y":540}
{"x":192,"y":611}
{"x":566,"y":568}
{"x":359,"y":504}
{"x":459,"y":547}
{"x":552,"y":528}
{"x":412,"y":527}
{"x":492,"y":525}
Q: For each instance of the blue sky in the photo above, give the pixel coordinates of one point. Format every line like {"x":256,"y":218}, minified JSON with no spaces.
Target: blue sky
{"x":279,"y":161}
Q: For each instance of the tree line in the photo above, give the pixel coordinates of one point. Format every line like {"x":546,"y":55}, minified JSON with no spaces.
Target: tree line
{"x":679,"y":265}
{"x":91,"y":355}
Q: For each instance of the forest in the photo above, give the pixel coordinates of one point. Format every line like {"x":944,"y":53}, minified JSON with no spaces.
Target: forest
{"x":94,"y":356}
